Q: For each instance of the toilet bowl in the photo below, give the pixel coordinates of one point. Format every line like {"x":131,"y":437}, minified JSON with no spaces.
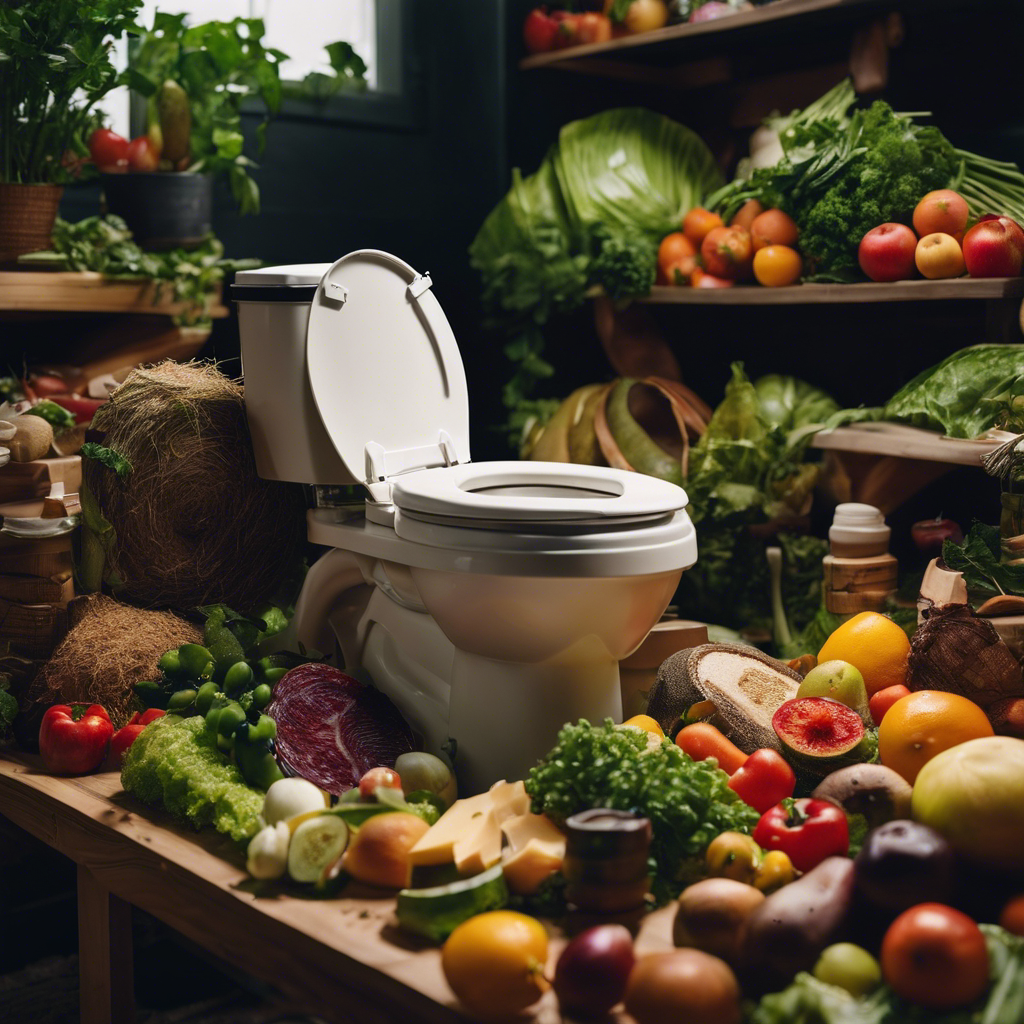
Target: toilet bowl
{"x":490,"y":601}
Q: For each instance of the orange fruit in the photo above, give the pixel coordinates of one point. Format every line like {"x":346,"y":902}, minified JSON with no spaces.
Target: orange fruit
{"x":925,"y":723}
{"x":873,"y":643}
{"x":776,"y":266}
{"x":773,"y":227}
{"x":674,"y":248}
{"x":698,"y":222}
{"x":494,"y":962}
{"x":646,"y":723}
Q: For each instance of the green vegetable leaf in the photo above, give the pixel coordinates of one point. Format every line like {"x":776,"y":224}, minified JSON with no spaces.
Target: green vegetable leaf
{"x":978,"y":558}
{"x":107,"y":457}
{"x":56,"y":415}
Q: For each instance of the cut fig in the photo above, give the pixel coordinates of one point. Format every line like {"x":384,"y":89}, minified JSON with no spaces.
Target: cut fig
{"x":818,"y":729}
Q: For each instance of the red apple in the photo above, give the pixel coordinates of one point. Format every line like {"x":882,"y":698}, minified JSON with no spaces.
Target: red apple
{"x":943,"y":210}
{"x":886,"y":253}
{"x":994,"y":247}
{"x":929,"y":534}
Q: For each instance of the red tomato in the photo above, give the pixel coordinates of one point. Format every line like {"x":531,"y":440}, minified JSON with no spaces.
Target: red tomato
{"x":378,"y":777}
{"x":727,"y":252}
{"x":73,"y":739}
{"x":880,"y":702}
{"x":129,"y":733}
{"x":109,"y":151}
{"x":142,"y":154}
{"x":700,"y":279}
{"x":935,"y":956}
{"x":592,"y":27}
{"x":539,"y":30}
{"x":763,"y":780}
{"x":807,"y":830}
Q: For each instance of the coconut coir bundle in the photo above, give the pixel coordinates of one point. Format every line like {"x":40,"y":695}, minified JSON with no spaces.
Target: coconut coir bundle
{"x":959,"y":652}
{"x":194,"y":524}
{"x":111,"y":647}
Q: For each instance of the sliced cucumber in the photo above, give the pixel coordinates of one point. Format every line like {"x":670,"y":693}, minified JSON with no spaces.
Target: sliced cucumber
{"x":638,"y":447}
{"x":316,"y":843}
{"x":435,"y":913}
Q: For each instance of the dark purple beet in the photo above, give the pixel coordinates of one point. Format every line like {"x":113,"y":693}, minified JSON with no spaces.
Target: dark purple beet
{"x":591,"y":974}
{"x":331,"y":729}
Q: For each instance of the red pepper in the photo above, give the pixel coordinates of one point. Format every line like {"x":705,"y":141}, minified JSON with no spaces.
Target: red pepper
{"x":84,"y":408}
{"x":73,"y":739}
{"x":763,"y":780}
{"x":807,"y":830}
{"x":127,"y":734}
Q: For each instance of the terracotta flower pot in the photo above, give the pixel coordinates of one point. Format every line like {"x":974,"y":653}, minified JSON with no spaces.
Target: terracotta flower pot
{"x":27,"y":213}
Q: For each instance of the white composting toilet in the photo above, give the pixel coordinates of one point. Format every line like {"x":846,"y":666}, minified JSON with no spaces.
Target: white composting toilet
{"x":490,"y":601}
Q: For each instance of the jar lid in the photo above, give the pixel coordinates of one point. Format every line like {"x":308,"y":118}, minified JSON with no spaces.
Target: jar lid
{"x":856,"y":523}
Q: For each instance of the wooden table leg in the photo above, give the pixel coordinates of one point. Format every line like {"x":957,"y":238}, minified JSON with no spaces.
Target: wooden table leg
{"x":105,"y":968}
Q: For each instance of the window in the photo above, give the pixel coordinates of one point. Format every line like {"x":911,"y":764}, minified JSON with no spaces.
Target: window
{"x":301,"y":28}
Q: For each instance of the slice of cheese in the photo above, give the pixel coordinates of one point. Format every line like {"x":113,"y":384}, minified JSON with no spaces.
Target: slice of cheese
{"x":536,"y":849}
{"x":466,"y":823}
{"x":509,"y":799}
{"x":480,"y":851}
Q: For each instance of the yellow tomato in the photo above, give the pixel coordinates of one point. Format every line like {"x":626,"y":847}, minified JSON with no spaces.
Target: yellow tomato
{"x":776,"y":266}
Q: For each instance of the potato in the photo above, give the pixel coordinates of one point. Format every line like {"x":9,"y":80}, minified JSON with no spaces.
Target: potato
{"x":710,"y":916}
{"x":32,"y":439}
{"x":683,"y":986}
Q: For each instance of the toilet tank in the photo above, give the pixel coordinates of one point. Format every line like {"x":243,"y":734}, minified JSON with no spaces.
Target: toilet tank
{"x":288,"y":437}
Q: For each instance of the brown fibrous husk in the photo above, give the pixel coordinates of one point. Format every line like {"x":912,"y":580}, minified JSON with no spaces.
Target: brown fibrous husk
{"x":194,"y":523}
{"x":959,"y":652}
{"x":111,"y":647}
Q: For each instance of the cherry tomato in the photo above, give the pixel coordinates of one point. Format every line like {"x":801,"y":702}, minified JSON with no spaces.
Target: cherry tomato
{"x":375,"y":777}
{"x":880,"y":702}
{"x":539,"y":31}
{"x":935,"y":956}
{"x":763,"y":780}
{"x":1012,"y":916}
{"x":142,"y":154}
{"x":808,"y":830}
{"x":109,"y":151}
{"x":776,"y":266}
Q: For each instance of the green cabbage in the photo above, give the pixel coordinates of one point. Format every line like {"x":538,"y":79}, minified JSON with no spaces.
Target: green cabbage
{"x":964,"y":395}
{"x":789,"y":402}
{"x":631,"y":168}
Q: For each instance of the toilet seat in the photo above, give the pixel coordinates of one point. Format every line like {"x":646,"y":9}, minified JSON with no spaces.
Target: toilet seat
{"x":493,"y":495}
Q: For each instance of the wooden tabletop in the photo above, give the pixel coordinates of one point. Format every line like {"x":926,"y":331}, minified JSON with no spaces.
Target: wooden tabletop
{"x":342,"y":958}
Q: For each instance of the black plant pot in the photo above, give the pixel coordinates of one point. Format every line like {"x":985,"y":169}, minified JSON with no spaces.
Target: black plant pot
{"x":162,"y":210}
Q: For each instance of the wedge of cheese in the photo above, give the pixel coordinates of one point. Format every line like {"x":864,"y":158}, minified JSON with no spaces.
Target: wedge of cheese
{"x":536,"y":849}
{"x":468,"y":834}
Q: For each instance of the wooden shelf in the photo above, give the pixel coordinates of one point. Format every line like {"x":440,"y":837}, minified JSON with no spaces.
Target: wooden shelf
{"x":663,"y":47}
{"x":900,"y":441}
{"x":817,"y":294}
{"x":84,"y":292}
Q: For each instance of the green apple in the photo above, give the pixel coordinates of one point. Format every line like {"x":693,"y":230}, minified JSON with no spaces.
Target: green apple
{"x":842,"y":682}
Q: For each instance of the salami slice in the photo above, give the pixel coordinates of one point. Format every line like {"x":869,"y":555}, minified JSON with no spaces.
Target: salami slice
{"x":331,"y":729}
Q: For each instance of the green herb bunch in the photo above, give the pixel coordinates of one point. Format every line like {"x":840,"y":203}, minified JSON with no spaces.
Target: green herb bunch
{"x":219,"y":64}
{"x":688,"y":802}
{"x":54,"y":67}
{"x":105,"y":245}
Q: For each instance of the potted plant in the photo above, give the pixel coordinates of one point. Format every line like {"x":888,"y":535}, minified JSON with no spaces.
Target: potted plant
{"x":54,"y":67}
{"x":194,"y":80}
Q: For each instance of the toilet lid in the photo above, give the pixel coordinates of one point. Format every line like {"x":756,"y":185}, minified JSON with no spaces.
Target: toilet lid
{"x":535,"y":492}
{"x":385,"y":370}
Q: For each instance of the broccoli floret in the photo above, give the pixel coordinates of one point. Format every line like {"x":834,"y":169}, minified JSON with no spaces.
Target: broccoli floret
{"x":624,"y":264}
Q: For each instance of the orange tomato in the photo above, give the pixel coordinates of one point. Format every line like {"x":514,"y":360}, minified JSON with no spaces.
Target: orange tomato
{"x":745,"y":215}
{"x":873,"y":643}
{"x":702,"y":740}
{"x":923,"y":724}
{"x":727,"y":252}
{"x":674,"y":249}
{"x":935,"y":956}
{"x":773,"y":227}
{"x":698,"y":222}
{"x":776,"y":266}
{"x":883,"y":700}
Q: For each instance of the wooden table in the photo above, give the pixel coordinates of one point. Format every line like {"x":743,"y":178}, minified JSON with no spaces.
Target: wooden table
{"x":343,"y":958}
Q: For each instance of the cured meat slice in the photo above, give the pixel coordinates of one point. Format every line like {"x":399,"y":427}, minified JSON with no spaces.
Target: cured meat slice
{"x":331,"y":729}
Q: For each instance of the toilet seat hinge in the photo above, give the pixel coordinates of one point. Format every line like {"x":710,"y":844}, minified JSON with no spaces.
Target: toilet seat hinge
{"x":382,"y":465}
{"x":418,"y":285}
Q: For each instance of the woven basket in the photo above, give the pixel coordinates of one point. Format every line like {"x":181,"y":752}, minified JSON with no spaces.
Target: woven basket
{"x":27,"y":213}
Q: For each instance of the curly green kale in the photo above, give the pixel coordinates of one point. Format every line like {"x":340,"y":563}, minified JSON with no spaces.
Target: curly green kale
{"x":688,"y":802}
{"x":624,"y":265}
{"x":175,"y":761}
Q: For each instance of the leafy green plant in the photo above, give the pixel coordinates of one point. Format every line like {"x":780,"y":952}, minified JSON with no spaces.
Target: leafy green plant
{"x":219,"y":65}
{"x":349,"y":75}
{"x":54,"y":67}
